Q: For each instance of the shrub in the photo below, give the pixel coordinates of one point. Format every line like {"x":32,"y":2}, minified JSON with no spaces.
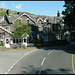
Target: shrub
{"x":14,"y":46}
{"x":1,"y":44}
{"x":52,"y":43}
{"x":37,"y":41}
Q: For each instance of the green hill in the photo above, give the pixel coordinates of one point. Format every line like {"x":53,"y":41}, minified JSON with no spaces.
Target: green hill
{"x":3,"y":11}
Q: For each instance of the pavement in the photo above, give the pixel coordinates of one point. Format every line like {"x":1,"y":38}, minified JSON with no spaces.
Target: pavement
{"x":10,"y":56}
{"x":11,"y":49}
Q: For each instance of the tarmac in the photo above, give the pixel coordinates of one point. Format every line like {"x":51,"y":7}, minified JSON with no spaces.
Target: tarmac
{"x":9,"y":57}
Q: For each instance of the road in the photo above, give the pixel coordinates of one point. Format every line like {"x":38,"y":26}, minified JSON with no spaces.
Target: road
{"x":9,"y":57}
{"x":54,"y":60}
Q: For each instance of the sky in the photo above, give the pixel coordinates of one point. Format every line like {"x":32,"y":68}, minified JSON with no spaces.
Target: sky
{"x":47,"y":8}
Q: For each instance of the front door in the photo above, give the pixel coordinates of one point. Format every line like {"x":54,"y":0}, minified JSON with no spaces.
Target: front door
{"x":7,"y":42}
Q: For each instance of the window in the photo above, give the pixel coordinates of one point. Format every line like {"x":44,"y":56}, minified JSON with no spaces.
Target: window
{"x":0,"y":35}
{"x":24,"y":40}
{"x":27,"y":20}
{"x":37,"y":36}
{"x":46,"y":28}
{"x":45,"y":38}
{"x":7,"y":41}
{"x":19,"y":21}
{"x":3,"y":33}
{"x":55,"y":27}
{"x":7,"y":27}
{"x":14,"y":40}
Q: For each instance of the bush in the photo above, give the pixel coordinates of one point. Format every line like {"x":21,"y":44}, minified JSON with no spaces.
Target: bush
{"x":1,"y":44}
{"x":14,"y":46}
{"x":23,"y":46}
{"x":37,"y":41}
{"x":52,"y":43}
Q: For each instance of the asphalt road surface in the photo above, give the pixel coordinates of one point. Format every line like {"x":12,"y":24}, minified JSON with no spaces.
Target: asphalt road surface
{"x":54,"y":60}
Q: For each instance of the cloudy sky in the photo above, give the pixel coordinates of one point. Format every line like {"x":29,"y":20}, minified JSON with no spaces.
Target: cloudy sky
{"x":48,"y":8}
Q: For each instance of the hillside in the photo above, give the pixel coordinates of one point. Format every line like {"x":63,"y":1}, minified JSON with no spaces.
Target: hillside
{"x":3,"y":12}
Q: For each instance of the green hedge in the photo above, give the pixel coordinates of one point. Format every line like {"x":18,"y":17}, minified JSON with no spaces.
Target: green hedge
{"x":40,"y":42}
{"x":52,"y":43}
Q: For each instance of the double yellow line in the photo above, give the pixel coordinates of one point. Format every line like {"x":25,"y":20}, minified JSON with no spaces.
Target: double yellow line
{"x":73,"y":63}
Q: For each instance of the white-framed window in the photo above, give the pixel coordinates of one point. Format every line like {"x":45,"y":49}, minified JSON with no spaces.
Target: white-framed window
{"x":27,"y":20}
{"x":8,"y":28}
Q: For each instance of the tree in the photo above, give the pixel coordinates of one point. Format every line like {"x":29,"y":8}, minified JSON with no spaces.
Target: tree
{"x":69,"y":13}
{"x":21,"y":29}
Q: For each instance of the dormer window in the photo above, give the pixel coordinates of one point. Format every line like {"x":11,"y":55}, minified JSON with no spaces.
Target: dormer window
{"x":46,"y":20}
{"x":40,"y":20}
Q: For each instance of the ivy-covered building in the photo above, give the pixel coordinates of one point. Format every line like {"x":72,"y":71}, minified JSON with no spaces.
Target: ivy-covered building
{"x":46,"y":27}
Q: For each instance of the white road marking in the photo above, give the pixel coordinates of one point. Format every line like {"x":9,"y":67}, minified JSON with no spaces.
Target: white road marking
{"x":49,"y":52}
{"x":43,"y":60}
{"x":19,"y":60}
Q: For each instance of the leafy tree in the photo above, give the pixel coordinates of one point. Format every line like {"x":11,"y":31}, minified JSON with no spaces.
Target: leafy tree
{"x":69,"y":13}
{"x":21,"y":29}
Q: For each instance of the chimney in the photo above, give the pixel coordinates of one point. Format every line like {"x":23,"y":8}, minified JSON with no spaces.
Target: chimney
{"x":58,"y":14}
{"x":18,"y":13}
{"x":8,"y":12}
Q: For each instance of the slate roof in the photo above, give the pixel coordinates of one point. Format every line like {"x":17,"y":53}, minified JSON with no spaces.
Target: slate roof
{"x":5,"y":30}
{"x":50,"y":18}
{"x":5,"y":22}
{"x":11,"y":18}
{"x":1,"y":17}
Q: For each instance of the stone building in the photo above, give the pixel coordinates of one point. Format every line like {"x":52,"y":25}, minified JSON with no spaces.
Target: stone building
{"x":46,"y":27}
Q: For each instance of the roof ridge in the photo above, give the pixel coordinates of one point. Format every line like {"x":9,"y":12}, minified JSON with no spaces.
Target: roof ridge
{"x":26,"y":15}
